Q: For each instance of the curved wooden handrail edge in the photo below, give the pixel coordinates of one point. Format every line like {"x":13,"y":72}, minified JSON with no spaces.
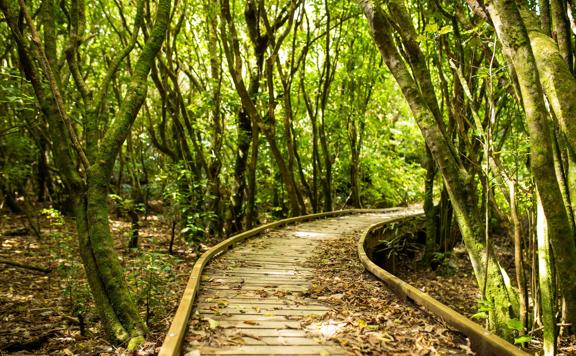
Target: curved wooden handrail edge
{"x":483,"y":342}
{"x":173,"y":340}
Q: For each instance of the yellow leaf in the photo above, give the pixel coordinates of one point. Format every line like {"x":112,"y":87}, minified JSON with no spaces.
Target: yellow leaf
{"x":213,"y":323}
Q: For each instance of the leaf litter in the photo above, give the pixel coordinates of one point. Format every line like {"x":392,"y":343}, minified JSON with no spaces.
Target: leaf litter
{"x":39,"y":311}
{"x":368,"y":319}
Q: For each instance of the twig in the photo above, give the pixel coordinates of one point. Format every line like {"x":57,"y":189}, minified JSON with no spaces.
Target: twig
{"x":26,"y":266}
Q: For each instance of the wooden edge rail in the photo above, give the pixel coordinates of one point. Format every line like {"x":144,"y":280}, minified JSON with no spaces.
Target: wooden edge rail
{"x":173,"y":341}
{"x":483,"y":342}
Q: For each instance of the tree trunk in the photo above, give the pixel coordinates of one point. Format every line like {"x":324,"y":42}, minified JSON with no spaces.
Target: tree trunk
{"x":251,"y":212}
{"x":555,"y":76}
{"x":244,"y":136}
{"x":488,"y":272}
{"x":516,"y":45}
{"x":546,"y":282}
{"x":562,"y":30}
{"x":429,"y":210}
{"x":518,"y":262}
{"x":115,"y":306}
{"x":88,"y":187}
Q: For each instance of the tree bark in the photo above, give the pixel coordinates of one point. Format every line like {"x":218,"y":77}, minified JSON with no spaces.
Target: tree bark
{"x":516,"y":45}
{"x":89,"y":188}
{"x":562,"y":30}
{"x":555,"y":76}
{"x":546,"y":282}
{"x":457,"y":180}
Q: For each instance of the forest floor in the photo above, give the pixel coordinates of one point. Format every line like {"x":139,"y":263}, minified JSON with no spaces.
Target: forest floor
{"x":373,"y":320}
{"x":453,"y":283}
{"x":43,"y":313}
{"x":39,"y":312}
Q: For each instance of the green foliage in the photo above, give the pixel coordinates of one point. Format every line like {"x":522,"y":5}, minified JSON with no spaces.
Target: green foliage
{"x":148,"y":278}
{"x":54,"y":216}
{"x":516,"y":327}
{"x":398,"y":240}
{"x":64,"y":253}
{"x":127,"y":204}
{"x":184,"y":201}
{"x":484,"y":308}
{"x":523,"y":339}
{"x":445,"y":262}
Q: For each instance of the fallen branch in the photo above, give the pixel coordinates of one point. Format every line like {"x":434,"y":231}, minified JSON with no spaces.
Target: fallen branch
{"x":26,"y":266}
{"x":30,"y":344}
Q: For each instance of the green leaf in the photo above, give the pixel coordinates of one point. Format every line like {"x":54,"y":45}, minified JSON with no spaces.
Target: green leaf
{"x":446,"y":29}
{"x":432,"y":27}
{"x":522,"y":339}
{"x":515,"y":324}
{"x":480,"y":315}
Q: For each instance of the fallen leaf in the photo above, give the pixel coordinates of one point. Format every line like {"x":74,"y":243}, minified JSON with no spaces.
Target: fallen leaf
{"x":213,"y":323}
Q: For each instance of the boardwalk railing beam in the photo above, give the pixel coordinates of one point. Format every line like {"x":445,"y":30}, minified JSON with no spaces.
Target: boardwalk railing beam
{"x":483,"y":342}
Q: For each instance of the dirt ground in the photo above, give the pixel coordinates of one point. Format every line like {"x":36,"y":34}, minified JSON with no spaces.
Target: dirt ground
{"x":52,"y":313}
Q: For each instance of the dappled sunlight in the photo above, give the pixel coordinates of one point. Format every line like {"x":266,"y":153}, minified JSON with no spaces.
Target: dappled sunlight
{"x":327,"y":329}
{"x":314,"y":235}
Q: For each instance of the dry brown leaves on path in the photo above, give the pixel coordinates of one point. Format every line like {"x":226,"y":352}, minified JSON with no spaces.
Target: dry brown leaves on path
{"x":368,"y":319}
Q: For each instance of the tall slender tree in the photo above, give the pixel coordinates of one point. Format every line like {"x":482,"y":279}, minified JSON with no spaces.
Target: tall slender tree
{"x":85,"y":155}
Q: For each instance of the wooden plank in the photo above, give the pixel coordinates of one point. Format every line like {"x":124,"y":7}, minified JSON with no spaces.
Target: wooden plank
{"x":258,"y":278}
{"x":264,"y":270}
{"x":260,"y":311}
{"x":261,"y":306}
{"x":287,"y":240}
{"x":254,"y":340}
{"x":271,"y":259}
{"x":291,"y":240}
{"x":276,"y":245}
{"x":267,"y":332}
{"x":280,"y":264}
{"x":288,"y":288}
{"x":258,"y":294}
{"x":271,"y":300}
{"x":249,"y":317}
{"x":258,"y":281}
{"x":262,"y":273}
{"x":263,"y":252}
{"x":239,"y":262}
{"x":245,"y":277}
{"x":268,"y":350}
{"x":232,"y":260}
{"x":261,"y":324}
{"x":246,"y":255}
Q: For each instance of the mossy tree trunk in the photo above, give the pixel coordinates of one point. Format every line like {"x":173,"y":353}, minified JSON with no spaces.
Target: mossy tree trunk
{"x":458,"y":181}
{"x":556,"y":78}
{"x":546,"y":282}
{"x":513,"y":35}
{"x":89,"y":185}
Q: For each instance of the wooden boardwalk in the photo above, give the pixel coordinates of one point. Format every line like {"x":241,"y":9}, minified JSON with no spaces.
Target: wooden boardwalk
{"x":256,"y":292}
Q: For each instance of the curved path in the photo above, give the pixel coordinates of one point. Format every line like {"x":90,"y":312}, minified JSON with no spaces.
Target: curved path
{"x":256,"y":292}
